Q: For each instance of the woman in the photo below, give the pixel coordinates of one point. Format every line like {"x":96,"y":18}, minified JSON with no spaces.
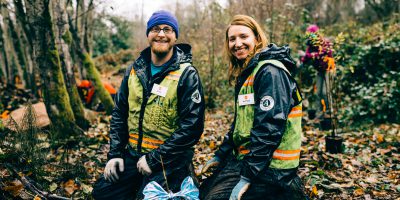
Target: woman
{"x":260,"y":154}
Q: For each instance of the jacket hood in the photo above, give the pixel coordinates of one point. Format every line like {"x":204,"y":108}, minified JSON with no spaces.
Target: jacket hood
{"x":272,"y":51}
{"x":184,"y":53}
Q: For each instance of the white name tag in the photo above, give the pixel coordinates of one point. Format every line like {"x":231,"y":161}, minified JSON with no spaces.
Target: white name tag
{"x":159,"y":90}
{"x":246,"y":99}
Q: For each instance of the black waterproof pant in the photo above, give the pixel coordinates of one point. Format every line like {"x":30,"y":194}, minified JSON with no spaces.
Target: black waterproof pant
{"x":131,"y":183}
{"x":225,"y":178}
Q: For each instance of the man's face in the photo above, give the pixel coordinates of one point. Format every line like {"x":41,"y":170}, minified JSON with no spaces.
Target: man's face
{"x":161,"y":39}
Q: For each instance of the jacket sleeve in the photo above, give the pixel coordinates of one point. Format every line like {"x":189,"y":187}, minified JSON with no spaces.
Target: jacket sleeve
{"x":273,"y":85}
{"x":191,"y":122}
{"x":118,"y":125}
{"x":226,"y":147}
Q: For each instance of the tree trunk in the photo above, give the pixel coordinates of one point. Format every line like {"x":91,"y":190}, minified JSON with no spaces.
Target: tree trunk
{"x":3,"y":63}
{"x":20,"y":54}
{"x":88,"y":36}
{"x":92,"y":74}
{"x":9,"y":54}
{"x":64,"y":39}
{"x":46,"y":56}
{"x":27,"y":43}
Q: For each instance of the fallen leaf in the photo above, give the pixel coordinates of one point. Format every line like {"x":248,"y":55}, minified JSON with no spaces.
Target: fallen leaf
{"x":314,"y":191}
{"x":379,"y":193}
{"x":371,"y":179}
{"x":70,"y":187}
{"x":358,"y":192}
{"x":212,"y":145}
{"x":379,"y":137}
{"x":53,"y":187}
{"x":14,"y":187}
{"x":86,"y":188}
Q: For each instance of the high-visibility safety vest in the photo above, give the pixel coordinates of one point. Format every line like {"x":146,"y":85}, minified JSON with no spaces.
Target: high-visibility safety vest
{"x":160,"y":115}
{"x":287,"y":155}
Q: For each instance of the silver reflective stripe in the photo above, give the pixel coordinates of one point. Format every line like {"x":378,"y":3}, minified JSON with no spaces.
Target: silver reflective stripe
{"x":276,"y":63}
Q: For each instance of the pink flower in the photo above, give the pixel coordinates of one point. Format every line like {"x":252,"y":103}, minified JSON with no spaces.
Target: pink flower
{"x":312,"y":28}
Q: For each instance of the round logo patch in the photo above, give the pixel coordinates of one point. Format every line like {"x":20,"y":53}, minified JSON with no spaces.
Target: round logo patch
{"x":267,"y":103}
{"x":196,"y":96}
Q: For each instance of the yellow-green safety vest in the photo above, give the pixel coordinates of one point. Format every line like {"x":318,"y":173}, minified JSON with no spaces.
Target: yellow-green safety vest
{"x":160,"y":117}
{"x":287,"y":155}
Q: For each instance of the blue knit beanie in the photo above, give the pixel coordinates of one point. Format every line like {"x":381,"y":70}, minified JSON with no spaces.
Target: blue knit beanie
{"x":163,"y":17}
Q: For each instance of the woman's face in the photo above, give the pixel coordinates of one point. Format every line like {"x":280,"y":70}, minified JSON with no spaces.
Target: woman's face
{"x":241,"y":41}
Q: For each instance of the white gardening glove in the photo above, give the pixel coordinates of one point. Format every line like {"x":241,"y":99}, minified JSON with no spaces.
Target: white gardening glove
{"x":143,"y":167}
{"x":110,"y":172}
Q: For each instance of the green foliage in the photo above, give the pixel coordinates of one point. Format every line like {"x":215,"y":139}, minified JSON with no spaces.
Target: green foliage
{"x":112,"y":34}
{"x":23,"y":145}
{"x":369,"y":74}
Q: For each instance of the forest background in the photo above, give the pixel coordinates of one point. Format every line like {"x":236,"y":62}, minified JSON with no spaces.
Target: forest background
{"x":48,"y":47}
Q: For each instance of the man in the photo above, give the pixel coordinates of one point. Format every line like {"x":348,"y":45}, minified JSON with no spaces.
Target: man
{"x":157,"y":119}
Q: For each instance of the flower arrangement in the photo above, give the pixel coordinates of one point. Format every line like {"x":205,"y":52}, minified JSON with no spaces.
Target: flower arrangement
{"x":319,"y":52}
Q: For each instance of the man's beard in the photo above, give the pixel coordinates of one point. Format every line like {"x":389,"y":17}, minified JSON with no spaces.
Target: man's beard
{"x":160,"y":51}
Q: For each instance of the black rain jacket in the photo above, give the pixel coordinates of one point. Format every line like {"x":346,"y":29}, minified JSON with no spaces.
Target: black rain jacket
{"x":268,"y":126}
{"x":177,"y":151}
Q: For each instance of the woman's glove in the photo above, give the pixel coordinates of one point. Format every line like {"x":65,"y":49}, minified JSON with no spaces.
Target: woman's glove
{"x":241,"y":187}
{"x":211,"y":163}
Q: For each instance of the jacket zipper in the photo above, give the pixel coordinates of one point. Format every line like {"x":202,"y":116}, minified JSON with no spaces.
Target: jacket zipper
{"x":146,"y":95}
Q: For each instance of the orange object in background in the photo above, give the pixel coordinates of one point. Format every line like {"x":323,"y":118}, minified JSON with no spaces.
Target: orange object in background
{"x":86,"y":89}
{"x":110,"y":88}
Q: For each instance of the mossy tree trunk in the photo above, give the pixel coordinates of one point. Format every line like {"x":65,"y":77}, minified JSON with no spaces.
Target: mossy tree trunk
{"x":64,"y":39}
{"x":82,"y":51}
{"x":94,"y":76}
{"x":46,"y":57}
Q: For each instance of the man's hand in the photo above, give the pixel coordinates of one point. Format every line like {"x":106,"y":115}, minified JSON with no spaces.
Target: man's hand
{"x":110,"y":172}
{"x":211,"y":163}
{"x":143,"y":167}
{"x":241,"y":187}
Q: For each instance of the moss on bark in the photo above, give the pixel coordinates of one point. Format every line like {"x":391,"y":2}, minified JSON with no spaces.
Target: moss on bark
{"x":94,"y":76}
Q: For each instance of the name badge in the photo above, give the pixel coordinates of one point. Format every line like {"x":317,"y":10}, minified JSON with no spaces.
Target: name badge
{"x":159,"y":90}
{"x":246,"y":99}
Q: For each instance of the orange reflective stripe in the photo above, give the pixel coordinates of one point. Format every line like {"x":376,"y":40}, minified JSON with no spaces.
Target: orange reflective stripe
{"x":173,"y":77}
{"x":146,"y":142}
{"x":280,"y":154}
{"x":132,"y":71}
{"x":146,"y":139}
{"x":144,"y":145}
{"x":243,"y":150}
{"x":249,"y":81}
{"x":296,"y":112}
{"x":286,"y":158}
{"x":288,"y":151}
{"x":150,"y":140}
{"x":174,"y":73}
{"x":296,"y":108}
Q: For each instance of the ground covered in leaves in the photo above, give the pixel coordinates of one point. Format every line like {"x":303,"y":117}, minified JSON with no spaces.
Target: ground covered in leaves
{"x":369,"y":167}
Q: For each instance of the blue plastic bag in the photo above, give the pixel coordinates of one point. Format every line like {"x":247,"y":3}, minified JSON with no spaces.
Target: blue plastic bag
{"x":154,"y":191}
